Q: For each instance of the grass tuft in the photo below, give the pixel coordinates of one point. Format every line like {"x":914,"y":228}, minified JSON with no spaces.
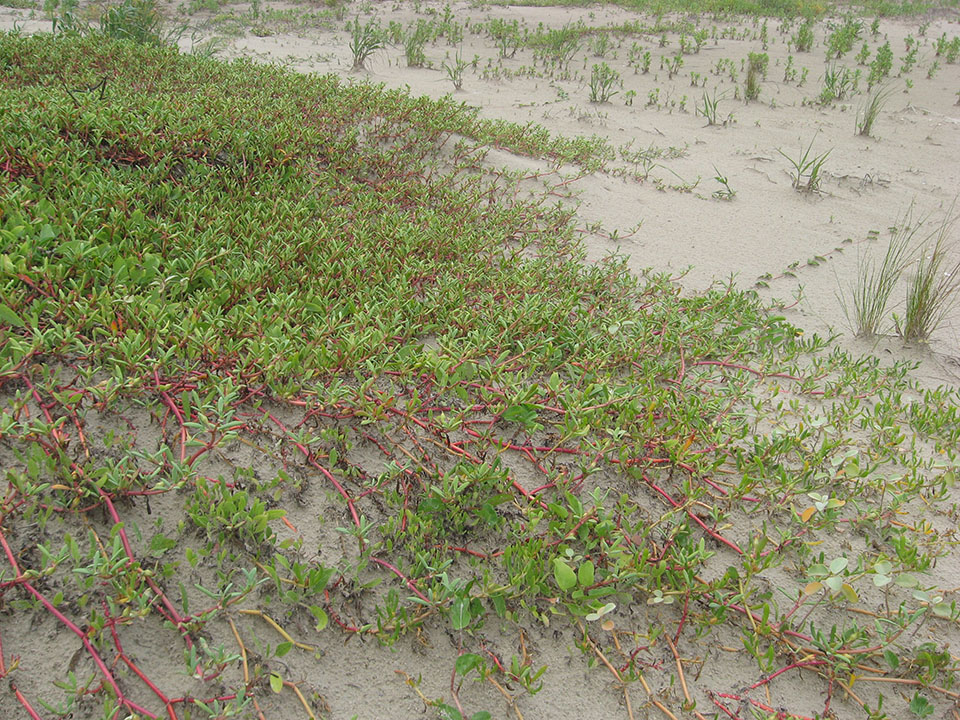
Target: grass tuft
{"x":934,"y":288}
{"x":874,"y":103}
{"x":365,"y":40}
{"x":603,"y":80}
{"x":807,"y":168}
{"x":875,"y":283}
{"x":756,"y":69}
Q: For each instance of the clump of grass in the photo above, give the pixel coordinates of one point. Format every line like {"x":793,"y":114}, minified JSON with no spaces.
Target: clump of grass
{"x":603,"y":80}
{"x":64,"y":17}
{"x":807,"y":168}
{"x":709,"y":107}
{"x":414,"y":41}
{"x":868,"y":113}
{"x":137,"y":20}
{"x":756,"y":68}
{"x":934,"y":288}
{"x":557,"y":46}
{"x":803,"y":39}
{"x":454,"y":70}
{"x":873,"y":287}
{"x":838,"y":82}
{"x":365,"y":40}
{"x":881,"y":65}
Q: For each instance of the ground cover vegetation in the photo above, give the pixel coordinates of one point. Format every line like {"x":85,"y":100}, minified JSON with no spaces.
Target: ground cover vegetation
{"x":283,"y":363}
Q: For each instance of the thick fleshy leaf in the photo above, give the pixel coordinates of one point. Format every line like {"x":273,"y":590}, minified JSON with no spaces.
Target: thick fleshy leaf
{"x":564,"y":575}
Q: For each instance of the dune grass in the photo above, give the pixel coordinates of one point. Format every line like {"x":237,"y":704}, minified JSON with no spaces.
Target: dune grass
{"x":282,"y":364}
{"x":934,"y":287}
{"x":870,"y":110}
{"x":872,"y":289}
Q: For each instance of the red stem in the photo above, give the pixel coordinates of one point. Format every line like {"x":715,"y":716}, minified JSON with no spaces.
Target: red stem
{"x":395,"y":571}
{"x":123,"y":656}
{"x":326,"y":473}
{"x":765,"y":708}
{"x":76,"y":631}
{"x":712,"y":533}
{"x":808,"y":663}
{"x":26,"y":703}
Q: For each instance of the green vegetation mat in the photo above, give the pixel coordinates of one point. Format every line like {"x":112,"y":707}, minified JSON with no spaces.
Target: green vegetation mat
{"x":280,"y":358}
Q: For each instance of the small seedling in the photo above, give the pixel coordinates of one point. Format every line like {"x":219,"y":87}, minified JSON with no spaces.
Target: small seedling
{"x":709,"y":107}
{"x":455,"y":70}
{"x":725,"y":192}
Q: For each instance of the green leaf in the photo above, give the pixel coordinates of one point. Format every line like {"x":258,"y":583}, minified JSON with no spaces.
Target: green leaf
{"x":449,"y":713}
{"x":564,"y":575}
{"x":460,"y":613}
{"x":585,"y":574}
{"x":10,"y":317}
{"x":283,"y":648}
{"x":524,"y":414}
{"x":920,"y":706}
{"x":838,"y":565}
{"x":892,"y":660}
{"x":883,"y":567}
{"x":907,"y":580}
{"x":467,"y":662}
{"x":488,"y":514}
{"x":941,"y":609}
{"x":482,"y":715}
{"x":159,"y":544}
{"x":276,"y":682}
{"x":499,"y":605}
{"x":46,"y":233}
{"x":320,"y":614}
